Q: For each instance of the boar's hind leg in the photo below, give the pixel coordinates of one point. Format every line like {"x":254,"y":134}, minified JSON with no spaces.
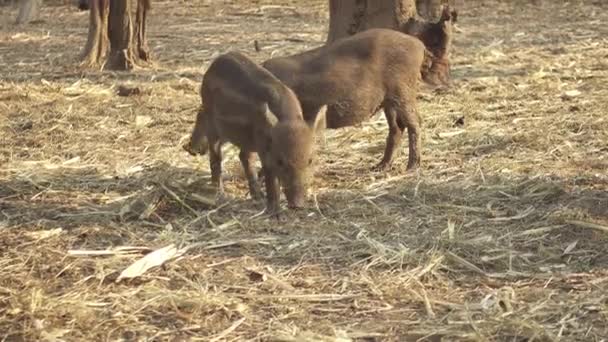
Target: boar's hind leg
{"x":215,"y":161}
{"x":408,"y":118}
{"x":394,"y":137}
{"x":247,"y":159}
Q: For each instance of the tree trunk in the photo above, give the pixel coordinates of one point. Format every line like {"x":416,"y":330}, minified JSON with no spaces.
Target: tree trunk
{"x":28,"y":10}
{"x":120,"y":28}
{"x":140,"y":30}
{"x":112,"y":21}
{"x":8,"y":2}
{"x":431,"y":9}
{"x":97,"y":42}
{"x":347,"y":17}
{"x":428,"y":9}
{"x":83,"y":5}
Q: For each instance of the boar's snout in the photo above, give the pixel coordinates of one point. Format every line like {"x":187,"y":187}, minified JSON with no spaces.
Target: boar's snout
{"x":296,"y":195}
{"x":296,"y":204}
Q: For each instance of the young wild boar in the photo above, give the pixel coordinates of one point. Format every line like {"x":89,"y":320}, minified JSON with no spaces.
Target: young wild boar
{"x":358,"y":75}
{"x":437,"y":37}
{"x":247,"y":106}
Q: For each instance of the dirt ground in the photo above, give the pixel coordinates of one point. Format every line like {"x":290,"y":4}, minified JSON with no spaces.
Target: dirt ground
{"x":501,"y":236}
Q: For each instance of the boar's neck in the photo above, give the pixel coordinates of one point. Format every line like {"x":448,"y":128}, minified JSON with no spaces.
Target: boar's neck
{"x":283,"y":103}
{"x":415,"y":27}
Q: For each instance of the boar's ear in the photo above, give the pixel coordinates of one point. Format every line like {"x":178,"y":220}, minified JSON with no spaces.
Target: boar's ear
{"x":320,"y":122}
{"x":270,"y":118}
{"x":445,"y":14}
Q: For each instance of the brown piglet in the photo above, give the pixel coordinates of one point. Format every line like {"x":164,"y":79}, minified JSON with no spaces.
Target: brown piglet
{"x":247,"y":106}
{"x":357,"y":76}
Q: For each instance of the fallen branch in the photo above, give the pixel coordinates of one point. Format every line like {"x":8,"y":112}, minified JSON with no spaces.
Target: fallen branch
{"x":227,"y":332}
{"x":179,"y":200}
{"x":590,"y":225}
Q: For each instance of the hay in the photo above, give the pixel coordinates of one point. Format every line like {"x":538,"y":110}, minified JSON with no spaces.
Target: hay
{"x":500,"y":236}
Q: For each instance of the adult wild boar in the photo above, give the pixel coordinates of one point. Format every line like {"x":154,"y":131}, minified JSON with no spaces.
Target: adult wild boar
{"x":247,"y":106}
{"x":357,"y":76}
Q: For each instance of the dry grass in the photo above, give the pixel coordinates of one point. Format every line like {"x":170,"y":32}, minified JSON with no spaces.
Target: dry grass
{"x":500,"y":237}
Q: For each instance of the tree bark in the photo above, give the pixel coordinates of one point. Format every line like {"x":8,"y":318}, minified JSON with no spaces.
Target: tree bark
{"x":97,"y":42}
{"x":83,"y":5}
{"x":140,"y":29}
{"x":428,"y":9}
{"x":28,"y":10}
{"x":431,"y":9}
{"x":347,"y":17}
{"x":120,"y":28}
{"x":111,"y":21}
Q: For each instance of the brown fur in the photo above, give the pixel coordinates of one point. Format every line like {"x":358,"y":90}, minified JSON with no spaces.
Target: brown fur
{"x":247,"y":106}
{"x":437,"y":37}
{"x":355,"y":77}
{"x":84,"y":4}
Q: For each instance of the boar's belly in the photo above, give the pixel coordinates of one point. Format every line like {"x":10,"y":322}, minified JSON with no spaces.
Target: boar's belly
{"x":239,"y":134}
{"x":339,"y":116}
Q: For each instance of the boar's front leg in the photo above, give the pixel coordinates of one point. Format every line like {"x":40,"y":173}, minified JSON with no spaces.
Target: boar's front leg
{"x":272,"y":191}
{"x":215,"y":162}
{"x":247,"y":159}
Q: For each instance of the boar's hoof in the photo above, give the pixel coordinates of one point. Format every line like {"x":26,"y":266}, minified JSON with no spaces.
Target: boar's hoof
{"x":257,"y":194}
{"x":221,"y":197}
{"x":188,"y":148}
{"x":382,"y":166}
{"x":412,"y":166}
{"x":273,"y":211}
{"x":295,"y":206}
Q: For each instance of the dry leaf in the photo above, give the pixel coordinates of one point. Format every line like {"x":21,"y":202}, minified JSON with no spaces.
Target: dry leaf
{"x":43,"y":234}
{"x":570,"y":247}
{"x":450,"y":134}
{"x":133,"y":170}
{"x":204,"y":200}
{"x":154,"y":259}
{"x":451,"y":232}
{"x":570,"y":94}
{"x":143,"y":121}
{"x":54,"y":336}
{"x":71,"y":161}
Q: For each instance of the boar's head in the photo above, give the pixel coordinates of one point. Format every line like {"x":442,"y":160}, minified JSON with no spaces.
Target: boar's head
{"x":197,"y":144}
{"x":437,"y":38}
{"x":291,"y":153}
